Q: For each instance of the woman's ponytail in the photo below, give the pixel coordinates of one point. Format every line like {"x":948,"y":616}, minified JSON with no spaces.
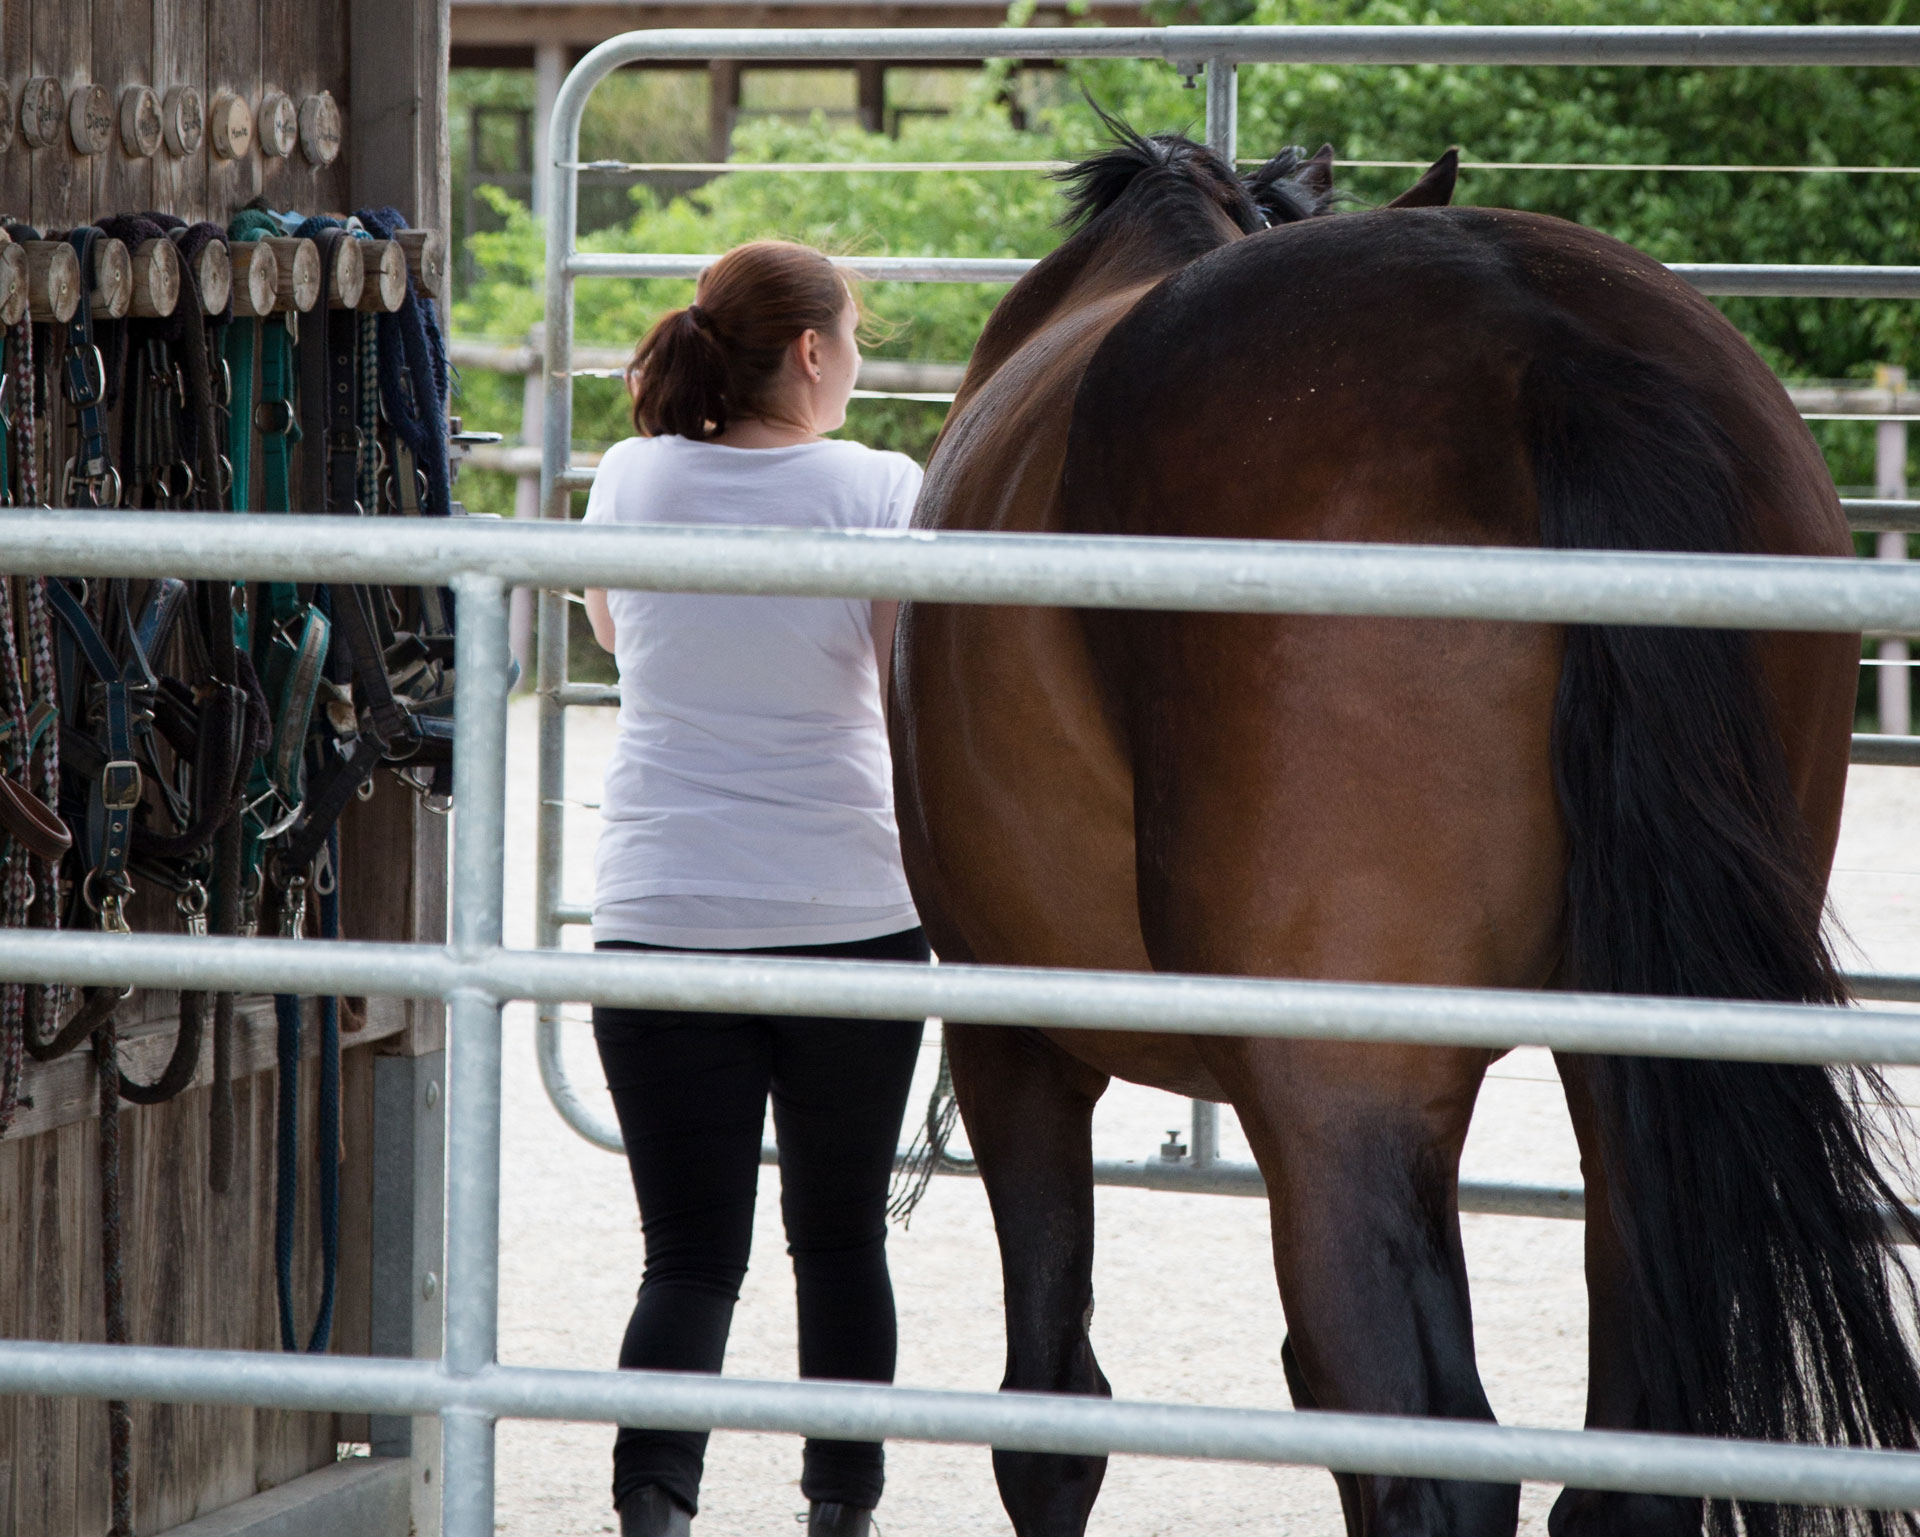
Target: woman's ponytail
{"x":680,"y":377}
{"x":717,"y":360}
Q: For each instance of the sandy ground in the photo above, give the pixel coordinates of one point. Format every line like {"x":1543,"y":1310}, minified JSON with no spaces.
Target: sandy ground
{"x":1187,"y":1308}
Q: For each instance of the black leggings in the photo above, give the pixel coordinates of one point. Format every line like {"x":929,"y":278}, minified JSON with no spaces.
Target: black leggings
{"x":691,"y":1093}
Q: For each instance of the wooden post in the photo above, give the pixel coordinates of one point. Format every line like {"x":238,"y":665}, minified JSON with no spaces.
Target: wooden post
{"x":723,"y":106}
{"x":426,"y":260}
{"x":870,"y":77}
{"x":1890,"y":480}
{"x":156,"y":278}
{"x":53,"y":280}
{"x":299,"y":273}
{"x":214,"y":268}
{"x":112,"y":293}
{"x":13,"y":284}
{"x":385,"y":289}
{"x":256,"y":278}
{"x":349,"y":275}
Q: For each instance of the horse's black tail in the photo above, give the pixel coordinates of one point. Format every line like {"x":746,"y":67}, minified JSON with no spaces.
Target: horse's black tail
{"x":1746,"y":1196}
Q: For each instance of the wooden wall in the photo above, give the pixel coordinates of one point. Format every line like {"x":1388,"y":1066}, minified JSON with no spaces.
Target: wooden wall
{"x":199,"y":1264}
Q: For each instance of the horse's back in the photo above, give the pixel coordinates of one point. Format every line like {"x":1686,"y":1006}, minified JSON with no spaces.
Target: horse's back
{"x":1374,"y":799}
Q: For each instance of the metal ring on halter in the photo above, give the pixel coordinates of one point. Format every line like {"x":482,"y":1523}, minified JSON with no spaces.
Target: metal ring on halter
{"x":123,"y":888}
{"x":223,"y":473}
{"x":164,"y":476}
{"x":364,"y":790}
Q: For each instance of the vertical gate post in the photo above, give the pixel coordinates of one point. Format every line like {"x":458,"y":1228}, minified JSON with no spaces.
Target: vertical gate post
{"x":1223,"y":108}
{"x":1890,"y":481}
{"x":473,"y":1045}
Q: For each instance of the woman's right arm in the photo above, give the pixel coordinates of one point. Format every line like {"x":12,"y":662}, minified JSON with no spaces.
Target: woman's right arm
{"x":600,"y":617}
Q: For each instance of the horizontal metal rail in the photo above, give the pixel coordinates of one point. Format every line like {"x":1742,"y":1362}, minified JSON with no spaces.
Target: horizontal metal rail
{"x":1042,"y":1422}
{"x":1218,"y":575}
{"x":1722,"y":279}
{"x":1187,"y":48}
{"x":1148,"y":1002}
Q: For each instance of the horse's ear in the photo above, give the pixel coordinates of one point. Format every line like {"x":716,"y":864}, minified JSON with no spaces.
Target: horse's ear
{"x":1316,"y":175}
{"x":1435,"y":187}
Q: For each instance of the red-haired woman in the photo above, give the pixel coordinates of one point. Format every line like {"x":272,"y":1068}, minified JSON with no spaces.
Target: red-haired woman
{"x":749,"y":807}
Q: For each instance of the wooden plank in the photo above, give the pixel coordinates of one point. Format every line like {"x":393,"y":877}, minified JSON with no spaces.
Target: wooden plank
{"x":180,"y":58}
{"x":284,"y":31}
{"x":164,"y":1167}
{"x":49,"y":1251}
{"x":233,"y":1227}
{"x":353,"y":1316}
{"x":233,"y":64}
{"x":63,"y":1091}
{"x":325,"y":48}
{"x":11,"y":1219}
{"x":16,"y":166}
{"x":63,"y":48}
{"x":396,"y":140}
{"x":122,"y":56}
{"x":93,"y":1490}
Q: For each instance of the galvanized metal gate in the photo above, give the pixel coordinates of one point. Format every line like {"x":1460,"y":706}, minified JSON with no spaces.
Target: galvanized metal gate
{"x":474,"y":973}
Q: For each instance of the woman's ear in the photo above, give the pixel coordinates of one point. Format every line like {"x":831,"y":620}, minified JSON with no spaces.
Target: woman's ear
{"x":807,"y":351}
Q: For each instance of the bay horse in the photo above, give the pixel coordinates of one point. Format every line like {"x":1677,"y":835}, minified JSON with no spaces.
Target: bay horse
{"x":1609,"y":809}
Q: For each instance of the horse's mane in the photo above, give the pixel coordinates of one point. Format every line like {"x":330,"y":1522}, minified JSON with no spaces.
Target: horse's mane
{"x":1167,"y":166}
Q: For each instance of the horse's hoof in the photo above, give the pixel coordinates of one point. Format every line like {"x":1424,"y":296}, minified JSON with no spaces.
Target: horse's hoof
{"x":829,"y":1519}
{"x":651,"y":1512}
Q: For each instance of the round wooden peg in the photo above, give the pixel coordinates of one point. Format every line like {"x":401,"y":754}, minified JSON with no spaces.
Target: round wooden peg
{"x":156,"y":278}
{"x":230,"y":126}
{"x":386,"y":286}
{"x":278,"y":125}
{"x":6,"y":117}
{"x":183,"y":120}
{"x":320,"y":128}
{"x":214,"y":270}
{"x":299,"y":279}
{"x":349,"y":278}
{"x":13,"y":284}
{"x":256,"y":278}
{"x":140,"y":130}
{"x":43,"y":106}
{"x":112,"y":293}
{"x":90,"y":119}
{"x":426,"y":260}
{"x":53,"y":280}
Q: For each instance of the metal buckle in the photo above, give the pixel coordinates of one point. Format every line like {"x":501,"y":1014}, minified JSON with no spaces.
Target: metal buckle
{"x":86,"y":376}
{"x":121,"y":785}
{"x":344,"y":440}
{"x":293,"y":908}
{"x":273,"y":417}
{"x":103,"y":487}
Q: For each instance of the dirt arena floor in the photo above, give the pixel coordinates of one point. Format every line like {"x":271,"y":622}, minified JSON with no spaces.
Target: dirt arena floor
{"x":1187,"y":1308}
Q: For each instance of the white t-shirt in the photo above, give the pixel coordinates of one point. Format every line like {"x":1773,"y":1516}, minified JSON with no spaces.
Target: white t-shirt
{"x":749,"y":801}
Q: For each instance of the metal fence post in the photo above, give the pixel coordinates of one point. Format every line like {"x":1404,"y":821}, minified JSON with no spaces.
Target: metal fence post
{"x":1223,"y":108}
{"x":473,"y":1045}
{"x":1890,"y":481}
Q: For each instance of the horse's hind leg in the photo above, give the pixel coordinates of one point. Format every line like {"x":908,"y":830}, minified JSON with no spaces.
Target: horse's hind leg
{"x":1360,"y":1149}
{"x":1029,"y":1115}
{"x":1616,"y":1394}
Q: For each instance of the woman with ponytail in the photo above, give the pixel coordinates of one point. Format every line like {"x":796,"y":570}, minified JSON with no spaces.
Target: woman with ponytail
{"x":749,"y":807}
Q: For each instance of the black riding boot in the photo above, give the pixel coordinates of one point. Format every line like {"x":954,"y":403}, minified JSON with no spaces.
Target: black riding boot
{"x":828,"y":1519}
{"x":651,"y":1512}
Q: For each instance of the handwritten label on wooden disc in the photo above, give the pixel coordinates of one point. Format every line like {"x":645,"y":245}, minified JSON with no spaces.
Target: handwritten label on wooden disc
{"x":349,"y":275}
{"x":214,"y":268}
{"x":320,"y":128}
{"x":230,"y":126}
{"x":42,"y":111}
{"x":183,"y":120}
{"x":13,"y":284}
{"x":90,"y":119}
{"x":140,"y":131}
{"x":278,"y":125}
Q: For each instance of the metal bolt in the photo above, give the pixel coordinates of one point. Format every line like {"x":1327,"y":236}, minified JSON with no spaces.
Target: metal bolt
{"x":429,"y":1285}
{"x":1173,"y":1149}
{"x":433,"y":1095}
